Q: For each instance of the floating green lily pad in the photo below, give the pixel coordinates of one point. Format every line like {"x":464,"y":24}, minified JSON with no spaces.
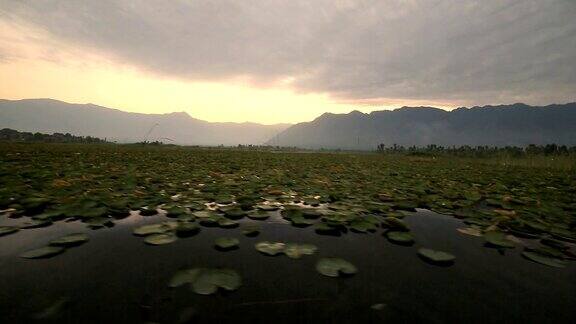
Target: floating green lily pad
{"x":176,"y":211}
{"x":543,"y":259}
{"x":226,"y":243}
{"x":185,"y":229}
{"x":148,"y":211}
{"x":234,"y":213}
{"x":258,"y":215}
{"x":498,"y":239}
{"x":296,"y":251}
{"x":43,"y":252}
{"x":70,"y":240}
{"x":206,"y":281}
{"x":395,"y":224}
{"x":203,"y":214}
{"x":251,"y":230}
{"x":227,"y":223}
{"x":36,"y":223}
{"x":325,"y":229}
{"x":470,"y":231}
{"x":334,"y":267}
{"x":99,"y":222}
{"x":268,"y":207}
{"x":5,"y":230}
{"x":151,"y":229}
{"x":270,"y":248}
{"x":400,"y":237}
{"x":436,"y":256}
{"x":160,"y":239}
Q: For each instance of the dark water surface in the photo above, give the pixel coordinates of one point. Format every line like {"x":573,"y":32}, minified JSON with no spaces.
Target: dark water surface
{"x":116,"y":278}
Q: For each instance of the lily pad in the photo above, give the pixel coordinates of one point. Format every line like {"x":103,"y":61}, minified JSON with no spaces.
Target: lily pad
{"x":472,"y":231}
{"x":203,"y":214}
{"x":258,"y":215}
{"x":334,"y":267}
{"x":176,"y":211}
{"x":160,"y":239}
{"x":151,"y":229}
{"x":148,"y":211}
{"x":395,"y":224}
{"x":186,"y":229}
{"x":268,"y":207}
{"x":226,"y":243}
{"x":325,"y":229}
{"x":180,"y":278}
{"x":36,"y":223}
{"x":6,"y":230}
{"x":99,"y":222}
{"x":543,"y":259}
{"x":234,"y":213}
{"x":300,"y":221}
{"x":311,"y":213}
{"x":43,"y":252}
{"x":227,"y":223}
{"x":296,"y":251}
{"x":404,"y":238}
{"x":498,"y":239}
{"x":251,"y":230}
{"x":270,"y":248}
{"x":70,"y":240}
{"x":205,"y":281}
{"x":434,"y":256}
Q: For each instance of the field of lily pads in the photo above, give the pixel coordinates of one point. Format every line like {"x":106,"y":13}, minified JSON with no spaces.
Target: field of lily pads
{"x":322,"y":210}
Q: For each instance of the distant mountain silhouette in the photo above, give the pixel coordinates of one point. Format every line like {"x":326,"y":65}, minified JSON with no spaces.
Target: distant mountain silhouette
{"x":515,"y":125}
{"x":52,"y":116}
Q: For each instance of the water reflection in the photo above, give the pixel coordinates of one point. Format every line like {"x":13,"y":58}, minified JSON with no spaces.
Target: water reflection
{"x":117,"y":278}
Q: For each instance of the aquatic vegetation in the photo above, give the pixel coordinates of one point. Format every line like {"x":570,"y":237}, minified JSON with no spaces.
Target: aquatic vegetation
{"x":43,"y":252}
{"x":167,"y":194}
{"x":334,"y":267}
{"x":544,"y":259}
{"x":226,"y":243}
{"x":404,"y":238}
{"x":160,"y":239}
{"x":70,"y":240}
{"x":207,"y":281}
{"x":498,"y":239}
{"x":251,"y":230}
{"x":296,"y":251}
{"x":436,"y":257}
{"x":270,"y":248}
{"x":5,"y":230}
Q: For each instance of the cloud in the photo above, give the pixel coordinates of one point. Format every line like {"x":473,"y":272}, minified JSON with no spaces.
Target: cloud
{"x":471,"y":52}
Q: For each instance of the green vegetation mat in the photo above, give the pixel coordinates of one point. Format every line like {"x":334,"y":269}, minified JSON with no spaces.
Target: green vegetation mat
{"x":333,"y":192}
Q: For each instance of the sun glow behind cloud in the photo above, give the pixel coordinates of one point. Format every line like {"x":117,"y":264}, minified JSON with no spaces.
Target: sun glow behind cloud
{"x":132,"y":90}
{"x":35,"y":65}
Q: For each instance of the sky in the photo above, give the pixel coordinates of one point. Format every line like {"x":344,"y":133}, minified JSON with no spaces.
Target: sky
{"x":271,"y":61}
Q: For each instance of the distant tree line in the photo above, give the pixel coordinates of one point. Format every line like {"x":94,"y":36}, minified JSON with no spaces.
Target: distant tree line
{"x":481,"y":151}
{"x":8,"y":134}
{"x":252,"y":147}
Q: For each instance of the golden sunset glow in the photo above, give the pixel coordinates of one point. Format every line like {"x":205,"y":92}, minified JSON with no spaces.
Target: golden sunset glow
{"x":134,"y":91}
{"x":39,"y":66}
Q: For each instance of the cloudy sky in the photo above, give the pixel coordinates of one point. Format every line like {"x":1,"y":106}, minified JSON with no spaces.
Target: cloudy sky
{"x":287,"y":61}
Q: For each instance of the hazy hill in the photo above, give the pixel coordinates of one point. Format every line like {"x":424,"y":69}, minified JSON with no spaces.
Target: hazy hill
{"x":49,"y":116}
{"x":516,"y":124}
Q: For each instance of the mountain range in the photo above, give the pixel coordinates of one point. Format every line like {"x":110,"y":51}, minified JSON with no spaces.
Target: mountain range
{"x":50,"y":116}
{"x":514,"y":125}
